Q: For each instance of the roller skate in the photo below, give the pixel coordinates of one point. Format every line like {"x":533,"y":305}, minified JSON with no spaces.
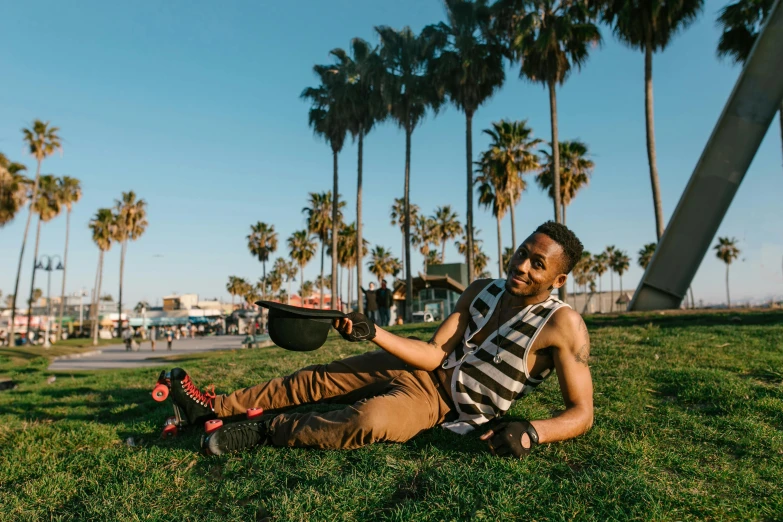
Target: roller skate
{"x":191,"y":406}
{"x":222,"y":438}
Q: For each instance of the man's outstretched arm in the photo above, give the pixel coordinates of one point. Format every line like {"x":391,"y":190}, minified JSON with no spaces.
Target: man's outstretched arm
{"x":576,"y":383}
{"x":427,"y":355}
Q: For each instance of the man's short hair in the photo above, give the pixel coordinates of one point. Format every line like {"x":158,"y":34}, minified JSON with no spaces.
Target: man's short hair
{"x":563,"y":236}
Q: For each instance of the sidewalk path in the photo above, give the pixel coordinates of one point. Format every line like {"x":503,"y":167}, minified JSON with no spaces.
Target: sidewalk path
{"x":115,"y":356}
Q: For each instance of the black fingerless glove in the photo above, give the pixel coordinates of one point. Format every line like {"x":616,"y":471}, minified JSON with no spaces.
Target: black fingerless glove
{"x":507,"y":441}
{"x":363,"y":328}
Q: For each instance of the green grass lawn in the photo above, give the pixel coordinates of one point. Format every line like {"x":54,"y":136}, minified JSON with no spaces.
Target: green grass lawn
{"x":688,"y":426}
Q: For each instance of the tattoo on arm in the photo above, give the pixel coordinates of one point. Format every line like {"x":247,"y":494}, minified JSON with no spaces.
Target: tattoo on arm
{"x":583,"y":354}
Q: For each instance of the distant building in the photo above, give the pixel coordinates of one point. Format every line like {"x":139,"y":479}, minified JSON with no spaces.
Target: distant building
{"x":436,"y":292}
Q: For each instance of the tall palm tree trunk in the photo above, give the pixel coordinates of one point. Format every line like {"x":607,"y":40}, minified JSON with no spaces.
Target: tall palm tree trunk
{"x":321,"y":282}
{"x":469,"y":225}
{"x":359,"y":241}
{"x":301,"y":283}
{"x":96,"y":322}
{"x":288,"y":294}
{"x":500,"y":250}
{"x":650,"y":122}
{"x":119,"y":304}
{"x":21,"y":254}
{"x":335,"y":204}
{"x":93,"y":293}
{"x":350,"y":288}
{"x":611,"y":283}
{"x":601,"y":294}
{"x":408,"y":278}
{"x":555,"y":152}
{"x":32,"y":279}
{"x":263,"y":279}
{"x":564,"y":214}
{"x":690,"y":291}
{"x":513,"y":229}
{"x":65,"y":268}
{"x":562,"y":292}
{"x":728,"y":297}
{"x":621,"y":288}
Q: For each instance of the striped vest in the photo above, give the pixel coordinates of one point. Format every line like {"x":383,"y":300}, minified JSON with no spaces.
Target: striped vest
{"x":488,"y":379}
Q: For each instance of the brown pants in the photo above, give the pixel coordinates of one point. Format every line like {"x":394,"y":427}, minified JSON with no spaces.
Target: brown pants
{"x":391,"y":402}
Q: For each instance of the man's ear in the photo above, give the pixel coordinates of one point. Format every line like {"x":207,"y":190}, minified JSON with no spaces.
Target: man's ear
{"x":560,"y":280}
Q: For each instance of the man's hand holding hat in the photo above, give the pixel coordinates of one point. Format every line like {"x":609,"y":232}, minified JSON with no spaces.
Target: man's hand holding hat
{"x":355,"y":327}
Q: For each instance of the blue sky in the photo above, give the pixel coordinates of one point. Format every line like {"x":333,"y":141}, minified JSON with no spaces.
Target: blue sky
{"x":195,"y":106}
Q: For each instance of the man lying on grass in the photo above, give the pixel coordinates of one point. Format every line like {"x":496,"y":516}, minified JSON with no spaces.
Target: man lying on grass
{"x":502,"y":340}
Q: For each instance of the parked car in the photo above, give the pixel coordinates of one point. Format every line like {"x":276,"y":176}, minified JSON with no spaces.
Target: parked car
{"x":422,"y":317}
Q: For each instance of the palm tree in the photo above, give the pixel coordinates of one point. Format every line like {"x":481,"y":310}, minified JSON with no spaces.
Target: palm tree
{"x":408,"y":92}
{"x":47,"y":207}
{"x":470,"y":68}
{"x":70,"y":193}
{"x":649,"y":25}
{"x":262,"y":242}
{"x":726,"y":250}
{"x":575,"y":171}
{"x":609,"y":252}
{"x":287,"y":270}
{"x":645,"y":254}
{"x":423,"y":236}
{"x":302,"y":250}
{"x":364,"y":107}
{"x":382,"y":263}
{"x":462,"y":248}
{"x":741,"y":23}
{"x":43,"y":141}
{"x":446,"y":227}
{"x":274,"y":281}
{"x":327,"y":117}
{"x":234,"y":287}
{"x":347,"y":245}
{"x":102,"y":226}
{"x":131,"y":214}
{"x":398,"y":219}
{"x":307,"y":290}
{"x":620,"y":262}
{"x":549,"y":38}
{"x":14,"y":189}
{"x":512,"y":147}
{"x":431,"y":258}
{"x":493,"y":194}
{"x":320,"y":214}
{"x":599,"y":266}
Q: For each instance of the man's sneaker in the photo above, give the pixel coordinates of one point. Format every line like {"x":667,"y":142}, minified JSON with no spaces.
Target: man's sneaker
{"x":198,"y":406}
{"x":238,"y":436}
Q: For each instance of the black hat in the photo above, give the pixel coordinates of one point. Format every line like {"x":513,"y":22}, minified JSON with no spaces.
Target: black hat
{"x":299,"y":329}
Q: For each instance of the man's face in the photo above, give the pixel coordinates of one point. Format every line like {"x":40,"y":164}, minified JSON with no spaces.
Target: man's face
{"x":383,"y":284}
{"x":536,"y":267}
{"x":372,"y":286}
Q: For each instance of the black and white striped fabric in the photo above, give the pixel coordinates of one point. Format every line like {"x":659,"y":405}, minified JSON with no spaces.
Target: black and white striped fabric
{"x":487,"y":379}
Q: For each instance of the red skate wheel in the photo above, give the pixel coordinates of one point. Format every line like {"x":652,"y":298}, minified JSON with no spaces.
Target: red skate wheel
{"x":170,"y":430}
{"x":254,"y":412}
{"x":160,"y":392}
{"x":212,"y":425}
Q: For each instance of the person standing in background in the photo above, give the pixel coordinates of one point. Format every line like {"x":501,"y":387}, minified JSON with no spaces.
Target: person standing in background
{"x":383,"y":297}
{"x":372,"y":303}
{"x":153,"y":337}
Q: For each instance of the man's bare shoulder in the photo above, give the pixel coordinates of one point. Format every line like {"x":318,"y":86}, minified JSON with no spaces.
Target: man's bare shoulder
{"x":567,"y":328}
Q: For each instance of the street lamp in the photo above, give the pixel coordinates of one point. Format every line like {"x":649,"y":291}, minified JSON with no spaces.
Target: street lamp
{"x":81,"y":294}
{"x":48,"y":268}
